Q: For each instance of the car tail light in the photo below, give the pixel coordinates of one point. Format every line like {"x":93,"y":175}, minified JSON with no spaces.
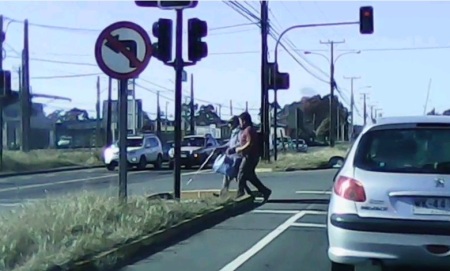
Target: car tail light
{"x":350,"y":189}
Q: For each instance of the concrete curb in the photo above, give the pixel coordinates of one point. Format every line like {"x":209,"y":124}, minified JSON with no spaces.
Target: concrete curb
{"x":289,"y":169}
{"x":43,"y":171}
{"x":145,"y":246}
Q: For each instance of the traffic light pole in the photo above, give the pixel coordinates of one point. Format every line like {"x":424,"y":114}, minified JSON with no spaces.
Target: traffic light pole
{"x":178,"y":65}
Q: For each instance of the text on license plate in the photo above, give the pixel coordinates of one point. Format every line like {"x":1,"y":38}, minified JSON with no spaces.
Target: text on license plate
{"x":432,"y":206}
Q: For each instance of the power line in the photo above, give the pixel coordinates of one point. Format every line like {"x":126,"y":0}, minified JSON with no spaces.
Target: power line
{"x":67,"y":76}
{"x":171,"y":99}
{"x":79,"y":29}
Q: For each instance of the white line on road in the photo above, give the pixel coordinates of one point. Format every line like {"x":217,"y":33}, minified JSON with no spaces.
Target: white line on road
{"x":31,"y":186}
{"x":312,"y":212}
{"x":314,"y":192}
{"x":276,"y":211}
{"x":241,"y":259}
{"x":309,"y":225}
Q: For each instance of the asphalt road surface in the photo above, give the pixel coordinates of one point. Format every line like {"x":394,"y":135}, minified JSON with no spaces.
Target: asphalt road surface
{"x":287,"y":236}
{"x":275,"y":237}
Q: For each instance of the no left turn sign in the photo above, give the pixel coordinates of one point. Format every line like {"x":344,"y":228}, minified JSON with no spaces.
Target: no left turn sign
{"x":123,"y":50}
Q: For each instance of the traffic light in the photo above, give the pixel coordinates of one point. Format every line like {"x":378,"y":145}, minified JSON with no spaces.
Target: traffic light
{"x":162,"y":30}
{"x":277,"y":79}
{"x":5,"y":84}
{"x":197,"y":49}
{"x":366,"y":20}
{"x":167,"y":4}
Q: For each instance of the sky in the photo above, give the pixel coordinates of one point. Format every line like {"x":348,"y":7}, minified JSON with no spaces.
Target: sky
{"x":408,"y":49}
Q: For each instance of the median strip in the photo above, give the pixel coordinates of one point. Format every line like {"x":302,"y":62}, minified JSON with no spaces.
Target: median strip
{"x":90,"y":232}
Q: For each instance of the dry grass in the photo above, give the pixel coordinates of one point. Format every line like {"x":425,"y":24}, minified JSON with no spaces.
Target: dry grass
{"x":16,"y":161}
{"x":58,"y":230}
{"x":315,"y":159}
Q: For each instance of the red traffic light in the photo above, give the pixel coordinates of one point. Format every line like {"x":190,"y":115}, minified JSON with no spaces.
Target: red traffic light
{"x":366,"y":20}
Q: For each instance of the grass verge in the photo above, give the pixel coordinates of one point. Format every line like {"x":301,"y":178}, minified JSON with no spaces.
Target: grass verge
{"x":17,"y":161}
{"x":315,"y":159}
{"x":57,"y":231}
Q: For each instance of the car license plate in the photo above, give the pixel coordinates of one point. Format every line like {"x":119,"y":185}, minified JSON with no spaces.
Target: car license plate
{"x":183,"y":155}
{"x":432,"y":206}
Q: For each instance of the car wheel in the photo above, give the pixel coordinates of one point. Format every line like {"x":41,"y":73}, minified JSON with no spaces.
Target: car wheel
{"x":158,"y":163}
{"x":111,"y":167}
{"x":342,"y":267}
{"x":142,"y":163}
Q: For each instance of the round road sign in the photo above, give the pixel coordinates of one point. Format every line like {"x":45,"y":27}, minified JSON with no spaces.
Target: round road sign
{"x":123,"y":50}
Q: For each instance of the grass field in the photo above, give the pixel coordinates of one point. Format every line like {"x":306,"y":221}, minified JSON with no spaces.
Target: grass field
{"x":59,"y":230}
{"x":17,"y":161}
{"x":315,"y":159}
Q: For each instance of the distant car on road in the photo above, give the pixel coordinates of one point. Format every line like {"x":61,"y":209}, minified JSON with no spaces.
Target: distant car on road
{"x":195,"y":149}
{"x":391,"y":198}
{"x":141,"y":151}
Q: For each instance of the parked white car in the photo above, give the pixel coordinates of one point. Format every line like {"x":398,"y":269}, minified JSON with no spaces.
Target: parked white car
{"x":141,"y":151}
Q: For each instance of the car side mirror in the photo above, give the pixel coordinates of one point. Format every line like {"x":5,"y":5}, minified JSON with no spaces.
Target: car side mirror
{"x":336,"y":162}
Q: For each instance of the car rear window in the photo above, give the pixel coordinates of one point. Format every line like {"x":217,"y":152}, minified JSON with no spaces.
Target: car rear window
{"x":416,"y":150}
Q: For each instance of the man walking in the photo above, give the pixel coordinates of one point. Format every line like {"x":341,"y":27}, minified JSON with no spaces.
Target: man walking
{"x":250,"y":151}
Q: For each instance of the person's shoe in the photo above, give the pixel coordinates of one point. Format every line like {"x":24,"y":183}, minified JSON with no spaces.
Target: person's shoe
{"x":267,"y":195}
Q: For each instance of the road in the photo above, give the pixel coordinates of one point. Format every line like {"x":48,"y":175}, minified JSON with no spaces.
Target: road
{"x":273,"y":237}
{"x":287,"y":236}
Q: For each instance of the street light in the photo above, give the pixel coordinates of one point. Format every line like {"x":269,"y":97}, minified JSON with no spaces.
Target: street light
{"x":335,"y":60}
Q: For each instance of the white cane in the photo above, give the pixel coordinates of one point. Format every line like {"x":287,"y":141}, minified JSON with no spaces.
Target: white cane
{"x":201,"y":167}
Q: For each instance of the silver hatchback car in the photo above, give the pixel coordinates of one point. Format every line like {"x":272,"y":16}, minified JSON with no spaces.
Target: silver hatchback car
{"x":390,"y":203}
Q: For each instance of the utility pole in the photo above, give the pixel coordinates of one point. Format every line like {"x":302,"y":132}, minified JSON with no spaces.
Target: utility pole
{"x":231,"y":108}
{"x":352,"y":105}
{"x":192,"y":107}
{"x":332,"y":86}
{"x":364,"y":96}
{"x":2,"y":36}
{"x":25,"y":95}
{"x":158,"y":116}
{"x":133,"y":106}
{"x":166,"y":116}
{"x":246,"y":106}
{"x":97,"y":109}
{"x":220,"y":110}
{"x":265,"y":125}
{"x":109,"y":114}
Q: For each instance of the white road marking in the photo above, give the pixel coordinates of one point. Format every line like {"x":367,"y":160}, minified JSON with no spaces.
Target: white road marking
{"x":241,"y":259}
{"x":314,"y":192}
{"x":309,"y":225}
{"x":276,"y":211}
{"x":312,"y":212}
{"x":31,"y":186}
